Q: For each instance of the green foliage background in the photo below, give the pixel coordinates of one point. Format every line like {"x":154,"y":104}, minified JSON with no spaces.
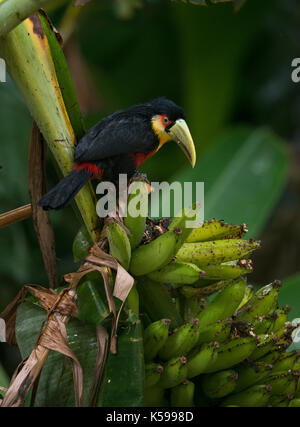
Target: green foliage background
{"x":231,"y":73}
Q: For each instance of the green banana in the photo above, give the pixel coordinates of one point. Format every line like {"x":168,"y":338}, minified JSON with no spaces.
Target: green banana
{"x":219,"y":384}
{"x":281,"y":318}
{"x":216,"y":229}
{"x":183,"y":395}
{"x":271,"y":358}
{"x":181,"y":222}
{"x":288,"y":361}
{"x":270,"y":323}
{"x":255,"y":396}
{"x":249,"y":293}
{"x":152,"y":374}
{"x":228,"y":270}
{"x":199,"y":359}
{"x":135,"y":225}
{"x":203,"y":283}
{"x":250,"y":373}
{"x":157,"y":303}
{"x":177,"y":274}
{"x":271,"y":342}
{"x":294,"y":403}
{"x":155,"y":336}
{"x":191,"y":307}
{"x":119,"y":245}
{"x":154,"y":396}
{"x":181,"y":341}
{"x":231,"y":353}
{"x":175,"y":371}
{"x":284,"y":382}
{"x":224,"y":304}
{"x":216,"y":251}
{"x":154,"y":255}
{"x":218,"y":331}
{"x":262,"y":325}
{"x":81,"y":244}
{"x":261,"y":303}
{"x":191,"y":292}
{"x":279,"y":401}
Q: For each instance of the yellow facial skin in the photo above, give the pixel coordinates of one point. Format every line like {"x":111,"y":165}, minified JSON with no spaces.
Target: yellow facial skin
{"x":178,"y":132}
{"x":159,"y":129}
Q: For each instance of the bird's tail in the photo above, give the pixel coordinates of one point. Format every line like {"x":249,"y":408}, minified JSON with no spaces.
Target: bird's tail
{"x":63,"y":193}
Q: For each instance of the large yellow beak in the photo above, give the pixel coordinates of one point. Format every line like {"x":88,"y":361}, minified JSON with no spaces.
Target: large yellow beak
{"x":180,"y":132}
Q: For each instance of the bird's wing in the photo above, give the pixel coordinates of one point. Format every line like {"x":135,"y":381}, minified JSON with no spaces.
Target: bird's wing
{"x":116,"y":135}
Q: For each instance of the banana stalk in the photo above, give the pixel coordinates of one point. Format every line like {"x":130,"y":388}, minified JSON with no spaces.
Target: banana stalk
{"x":27,"y":53}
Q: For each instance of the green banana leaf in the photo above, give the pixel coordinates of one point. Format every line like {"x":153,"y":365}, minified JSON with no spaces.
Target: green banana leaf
{"x":92,"y":305}
{"x":56,"y":382}
{"x":92,"y":300}
{"x":124,"y":377}
{"x":4,"y":379}
{"x":244,"y":174}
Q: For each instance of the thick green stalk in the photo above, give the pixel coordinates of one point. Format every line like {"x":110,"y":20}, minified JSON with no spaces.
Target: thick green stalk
{"x":29,"y":62}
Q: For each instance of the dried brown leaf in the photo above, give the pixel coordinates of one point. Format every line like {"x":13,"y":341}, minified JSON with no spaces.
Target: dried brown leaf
{"x":53,"y":337}
{"x":41,"y":220}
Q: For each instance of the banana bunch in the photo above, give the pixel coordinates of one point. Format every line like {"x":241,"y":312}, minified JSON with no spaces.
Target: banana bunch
{"x":209,"y":338}
{"x":226,"y":344}
{"x":232,"y":354}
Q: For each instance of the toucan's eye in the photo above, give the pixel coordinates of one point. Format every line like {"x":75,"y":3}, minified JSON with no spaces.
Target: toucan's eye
{"x":166,"y":120}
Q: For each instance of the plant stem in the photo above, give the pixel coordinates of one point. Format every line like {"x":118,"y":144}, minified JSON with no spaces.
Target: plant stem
{"x":13,"y":12}
{"x":29,"y":61}
{"x":18,"y":214}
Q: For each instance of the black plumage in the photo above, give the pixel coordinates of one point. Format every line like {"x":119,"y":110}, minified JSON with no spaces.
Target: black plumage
{"x":117,"y":144}
{"x":125,"y":131}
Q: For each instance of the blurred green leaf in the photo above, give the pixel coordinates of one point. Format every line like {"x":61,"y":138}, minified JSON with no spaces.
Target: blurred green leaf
{"x":56,"y":382}
{"x":237,"y":3}
{"x":290,"y":294}
{"x":244,"y":174}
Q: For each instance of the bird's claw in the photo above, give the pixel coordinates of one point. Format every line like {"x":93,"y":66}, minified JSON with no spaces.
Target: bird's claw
{"x":138,"y":176}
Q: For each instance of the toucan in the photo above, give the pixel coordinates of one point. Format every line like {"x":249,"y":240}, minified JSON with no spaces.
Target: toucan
{"x":119,"y":144}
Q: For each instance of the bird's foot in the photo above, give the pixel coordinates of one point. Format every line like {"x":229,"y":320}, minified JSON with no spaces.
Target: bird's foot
{"x":138,"y":176}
